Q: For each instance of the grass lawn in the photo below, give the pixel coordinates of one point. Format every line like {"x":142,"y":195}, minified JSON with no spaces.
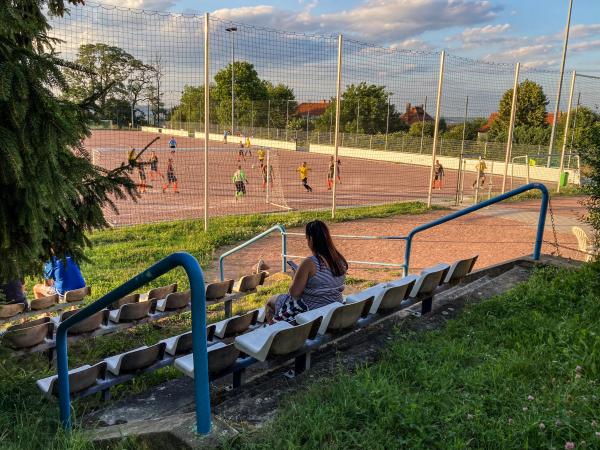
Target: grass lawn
{"x":27,"y":421}
{"x":519,"y":371}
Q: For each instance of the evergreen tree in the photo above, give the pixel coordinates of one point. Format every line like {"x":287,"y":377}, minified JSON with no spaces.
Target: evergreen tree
{"x":50,"y":193}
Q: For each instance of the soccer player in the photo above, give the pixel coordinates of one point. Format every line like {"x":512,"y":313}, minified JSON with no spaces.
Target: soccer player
{"x":330,"y":173}
{"x":131,"y":159}
{"x":240,"y":180}
{"x":172,"y":143}
{"x":154,"y":172}
{"x":261,"y":157}
{"x":241,"y":152}
{"x":225,"y":133}
{"x":480,"y":169}
{"x":303,"y":171}
{"x":142,"y":175}
{"x":264,"y":175}
{"x":438,"y":171}
{"x":248,"y":151}
{"x":171,"y":178}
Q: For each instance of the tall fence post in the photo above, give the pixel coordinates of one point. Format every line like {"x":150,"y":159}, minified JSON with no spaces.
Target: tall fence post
{"x":511,"y":125}
{"x":437,"y":126}
{"x":560,"y":82}
{"x":423,"y":125}
{"x":566,"y":132}
{"x":268,"y":178}
{"x":338,"y":89}
{"x":206,"y":119}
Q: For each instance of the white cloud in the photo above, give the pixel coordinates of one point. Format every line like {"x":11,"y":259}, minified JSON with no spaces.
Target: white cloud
{"x":412,"y":44}
{"x":585,"y":46}
{"x":381,"y":21}
{"x":528,"y":50}
{"x":480,"y":36}
{"x":150,"y":5}
{"x":581,"y":31}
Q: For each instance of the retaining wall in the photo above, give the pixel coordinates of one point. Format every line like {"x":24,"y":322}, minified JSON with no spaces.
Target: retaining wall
{"x":496,"y":167}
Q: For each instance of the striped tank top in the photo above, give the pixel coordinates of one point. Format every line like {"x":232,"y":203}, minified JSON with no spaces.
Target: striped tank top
{"x":323,"y":287}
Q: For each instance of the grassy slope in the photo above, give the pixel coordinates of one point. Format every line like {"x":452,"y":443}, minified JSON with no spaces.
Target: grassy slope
{"x":489,"y":379}
{"x":29,"y":422}
{"x":121,"y":253}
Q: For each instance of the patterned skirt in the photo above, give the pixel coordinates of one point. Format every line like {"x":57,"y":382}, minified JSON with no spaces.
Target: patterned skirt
{"x":288,"y":307}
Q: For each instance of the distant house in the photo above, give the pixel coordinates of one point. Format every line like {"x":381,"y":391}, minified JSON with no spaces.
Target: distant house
{"x":312,"y":109}
{"x":414,"y":114}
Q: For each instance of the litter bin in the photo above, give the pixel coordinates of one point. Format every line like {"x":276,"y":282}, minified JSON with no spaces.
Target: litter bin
{"x":564,"y":179}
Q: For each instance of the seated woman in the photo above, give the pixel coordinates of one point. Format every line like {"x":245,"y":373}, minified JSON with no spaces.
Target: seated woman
{"x":318,"y":281}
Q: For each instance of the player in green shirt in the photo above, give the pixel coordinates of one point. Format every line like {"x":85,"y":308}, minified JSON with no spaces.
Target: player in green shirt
{"x":240,"y":180}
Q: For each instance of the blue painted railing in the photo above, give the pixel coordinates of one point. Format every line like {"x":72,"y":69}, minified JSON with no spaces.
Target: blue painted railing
{"x":198,"y":307}
{"x":409,"y":237}
{"x":528,"y":187}
{"x":258,"y":237}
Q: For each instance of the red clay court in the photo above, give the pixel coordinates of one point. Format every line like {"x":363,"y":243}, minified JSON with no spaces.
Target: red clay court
{"x":363,"y":181}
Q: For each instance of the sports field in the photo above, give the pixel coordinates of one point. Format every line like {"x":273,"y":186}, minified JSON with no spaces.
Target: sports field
{"x":363,"y":181}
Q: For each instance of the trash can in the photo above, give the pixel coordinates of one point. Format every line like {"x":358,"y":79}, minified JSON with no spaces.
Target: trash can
{"x":564,"y":179}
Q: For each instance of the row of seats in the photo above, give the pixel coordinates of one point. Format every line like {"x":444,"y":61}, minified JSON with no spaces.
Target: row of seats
{"x":239,"y":341}
{"x":15,"y":311}
{"x":131,"y":309}
{"x":316,"y":327}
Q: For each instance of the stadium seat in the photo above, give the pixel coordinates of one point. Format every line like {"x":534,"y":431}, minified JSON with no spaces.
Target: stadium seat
{"x":43,"y":302}
{"x":262,"y":312}
{"x":218,"y":290}
{"x":76,"y":295}
{"x":135,"y":360}
{"x":174,"y":301}
{"x":221,"y":357}
{"x":92,"y":323}
{"x":132,"y":311}
{"x":131,"y":298}
{"x":337,"y":316}
{"x":236,"y":324}
{"x":460,"y":269}
{"x":278,"y":339}
{"x":182,"y":344}
{"x":386,"y":295}
{"x":427,"y":282}
{"x":584,"y":243}
{"x":161,"y":292}
{"x":80,"y":379}
{"x":29,"y":334}
{"x":249,"y":283}
{"x":11,"y":310}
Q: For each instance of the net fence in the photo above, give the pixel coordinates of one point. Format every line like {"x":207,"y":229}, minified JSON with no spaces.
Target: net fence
{"x":272,"y":103}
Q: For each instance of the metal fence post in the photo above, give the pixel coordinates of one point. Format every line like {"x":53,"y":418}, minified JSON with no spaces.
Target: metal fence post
{"x":511,"y":125}
{"x":566,"y":131}
{"x":437,"y":126}
{"x":423,"y":125}
{"x":560,"y":82}
{"x":338,"y":94}
{"x":206,"y":118}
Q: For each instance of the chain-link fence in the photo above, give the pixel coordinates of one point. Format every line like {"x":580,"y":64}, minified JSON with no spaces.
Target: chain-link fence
{"x":272,"y":117}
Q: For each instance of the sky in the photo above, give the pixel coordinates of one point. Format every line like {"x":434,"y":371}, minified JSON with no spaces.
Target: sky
{"x":529,"y":31}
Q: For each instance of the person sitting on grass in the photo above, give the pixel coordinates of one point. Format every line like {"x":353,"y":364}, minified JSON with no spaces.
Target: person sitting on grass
{"x":318,"y":280}
{"x":12,"y":292}
{"x":60,"y":276}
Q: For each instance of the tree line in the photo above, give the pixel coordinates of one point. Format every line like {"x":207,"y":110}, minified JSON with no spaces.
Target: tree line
{"x":128,"y":83}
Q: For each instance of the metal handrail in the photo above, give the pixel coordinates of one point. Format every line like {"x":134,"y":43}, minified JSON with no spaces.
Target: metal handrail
{"x":198,"y":308}
{"x":528,"y":187}
{"x":274,"y":228}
